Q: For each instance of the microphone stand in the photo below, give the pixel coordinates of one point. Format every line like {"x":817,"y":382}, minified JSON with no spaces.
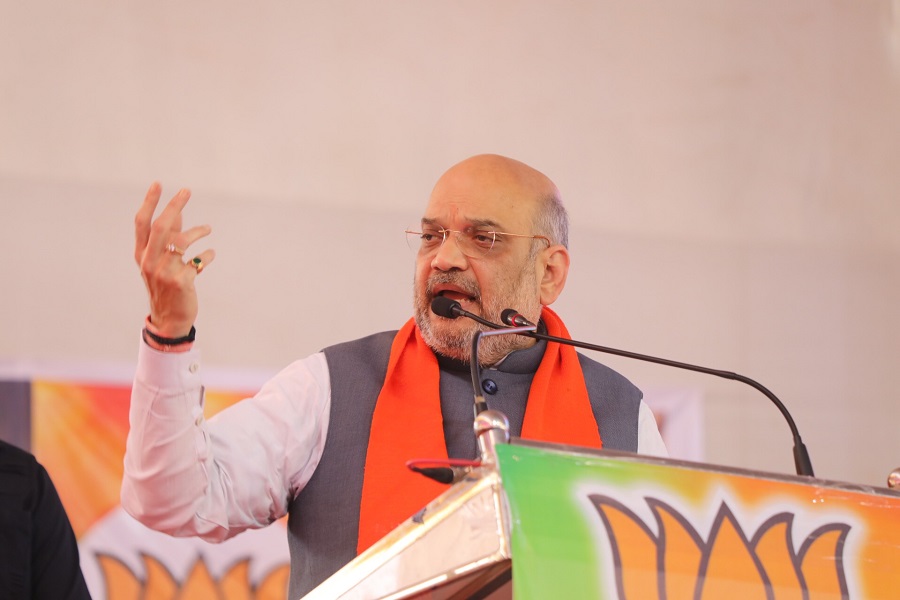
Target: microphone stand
{"x":802,"y":462}
{"x":451,"y":309}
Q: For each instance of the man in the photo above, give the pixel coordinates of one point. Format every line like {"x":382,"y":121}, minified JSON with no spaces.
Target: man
{"x":326,"y":439}
{"x":38,"y":550}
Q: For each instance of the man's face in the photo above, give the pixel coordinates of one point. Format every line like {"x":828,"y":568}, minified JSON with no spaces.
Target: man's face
{"x":505,"y":277}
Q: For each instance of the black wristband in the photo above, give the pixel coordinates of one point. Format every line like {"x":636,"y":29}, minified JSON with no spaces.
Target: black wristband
{"x":164,"y":341}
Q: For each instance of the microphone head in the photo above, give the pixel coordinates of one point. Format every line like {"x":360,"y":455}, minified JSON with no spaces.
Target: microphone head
{"x":512,"y":317}
{"x":446,"y":307}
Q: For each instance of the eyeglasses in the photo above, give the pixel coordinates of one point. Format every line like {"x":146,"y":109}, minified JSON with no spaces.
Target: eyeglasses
{"x":472,"y":241}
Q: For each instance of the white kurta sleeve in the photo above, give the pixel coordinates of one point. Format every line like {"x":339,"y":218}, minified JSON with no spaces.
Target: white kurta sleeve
{"x":649,"y":439}
{"x":185,"y":475}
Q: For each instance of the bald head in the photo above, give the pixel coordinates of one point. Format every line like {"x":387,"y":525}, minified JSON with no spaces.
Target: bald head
{"x":517,"y":186}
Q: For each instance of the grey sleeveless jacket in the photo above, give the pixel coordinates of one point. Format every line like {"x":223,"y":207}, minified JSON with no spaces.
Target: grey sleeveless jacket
{"x":324,"y":517}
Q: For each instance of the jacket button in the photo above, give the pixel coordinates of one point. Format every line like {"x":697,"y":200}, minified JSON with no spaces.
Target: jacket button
{"x":489,"y":386}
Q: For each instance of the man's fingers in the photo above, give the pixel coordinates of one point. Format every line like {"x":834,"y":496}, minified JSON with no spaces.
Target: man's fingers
{"x":202,"y":260}
{"x":144,"y":218}
{"x":193,"y":234}
{"x":176,"y":205}
{"x":180,"y":243}
{"x":169,"y":219}
{"x":152,"y":236}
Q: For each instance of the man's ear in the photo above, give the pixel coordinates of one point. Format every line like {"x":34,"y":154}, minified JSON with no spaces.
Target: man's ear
{"x":555,"y":265}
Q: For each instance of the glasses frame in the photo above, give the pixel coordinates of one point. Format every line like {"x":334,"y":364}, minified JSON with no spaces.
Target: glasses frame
{"x":468,"y":231}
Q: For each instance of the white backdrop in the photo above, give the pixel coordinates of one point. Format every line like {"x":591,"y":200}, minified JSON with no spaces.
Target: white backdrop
{"x":730,"y":169}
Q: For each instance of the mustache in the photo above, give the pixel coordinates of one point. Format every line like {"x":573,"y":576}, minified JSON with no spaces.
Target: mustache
{"x":455,"y":279}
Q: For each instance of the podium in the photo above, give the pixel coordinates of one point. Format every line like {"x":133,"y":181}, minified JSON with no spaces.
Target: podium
{"x":548,"y":521}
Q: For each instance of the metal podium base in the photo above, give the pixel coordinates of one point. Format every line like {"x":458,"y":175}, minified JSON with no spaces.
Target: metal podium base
{"x":456,"y":547}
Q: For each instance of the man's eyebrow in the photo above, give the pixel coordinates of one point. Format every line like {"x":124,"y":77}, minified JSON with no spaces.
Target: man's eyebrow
{"x":473,"y":222}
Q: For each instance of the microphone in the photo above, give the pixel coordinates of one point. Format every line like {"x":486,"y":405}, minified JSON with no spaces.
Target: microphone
{"x":443,"y":306}
{"x":446,"y":307}
{"x":802,"y":463}
{"x":443,"y":471}
{"x":451,"y":309}
{"x":513,"y":318}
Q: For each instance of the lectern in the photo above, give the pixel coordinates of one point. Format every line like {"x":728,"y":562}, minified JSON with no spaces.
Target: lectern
{"x":538,"y":521}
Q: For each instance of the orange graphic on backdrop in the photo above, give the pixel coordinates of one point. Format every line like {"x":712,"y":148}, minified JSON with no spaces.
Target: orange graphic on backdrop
{"x":78,"y":433}
{"x":678,"y":564}
{"x":199,"y":584}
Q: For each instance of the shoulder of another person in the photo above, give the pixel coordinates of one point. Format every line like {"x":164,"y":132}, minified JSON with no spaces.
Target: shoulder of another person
{"x":11,"y":455}
{"x":19,"y":472}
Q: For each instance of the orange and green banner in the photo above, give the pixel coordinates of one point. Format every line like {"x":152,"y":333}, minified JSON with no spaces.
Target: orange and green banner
{"x":585,"y":525}
{"x":77,"y":431}
{"x":600,"y":526}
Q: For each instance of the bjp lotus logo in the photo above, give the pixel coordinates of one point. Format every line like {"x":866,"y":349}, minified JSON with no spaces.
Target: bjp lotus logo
{"x":123,"y":584}
{"x":677,"y":563}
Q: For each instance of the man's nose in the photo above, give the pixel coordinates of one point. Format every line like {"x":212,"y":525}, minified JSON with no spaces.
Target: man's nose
{"x":449,"y":255}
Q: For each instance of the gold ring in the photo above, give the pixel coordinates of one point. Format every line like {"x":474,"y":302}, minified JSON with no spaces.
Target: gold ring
{"x":174,"y":249}
{"x":197,"y":263}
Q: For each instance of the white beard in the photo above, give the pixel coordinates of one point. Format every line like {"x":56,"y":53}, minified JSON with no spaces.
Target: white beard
{"x":454,"y":338}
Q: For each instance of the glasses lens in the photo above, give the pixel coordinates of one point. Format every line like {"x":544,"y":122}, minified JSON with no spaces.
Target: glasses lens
{"x":425,"y":240}
{"x":477,"y":242}
{"x":471,"y":242}
{"x":413,"y":239}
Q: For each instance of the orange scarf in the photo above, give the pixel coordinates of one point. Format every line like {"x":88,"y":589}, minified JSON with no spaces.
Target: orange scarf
{"x":407,"y":424}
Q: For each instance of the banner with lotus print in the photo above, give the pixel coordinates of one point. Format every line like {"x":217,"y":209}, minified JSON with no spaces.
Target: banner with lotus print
{"x":78,"y":431}
{"x":601,"y":526}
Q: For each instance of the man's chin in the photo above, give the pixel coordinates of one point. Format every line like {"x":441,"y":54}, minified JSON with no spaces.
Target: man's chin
{"x":452,"y":338}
